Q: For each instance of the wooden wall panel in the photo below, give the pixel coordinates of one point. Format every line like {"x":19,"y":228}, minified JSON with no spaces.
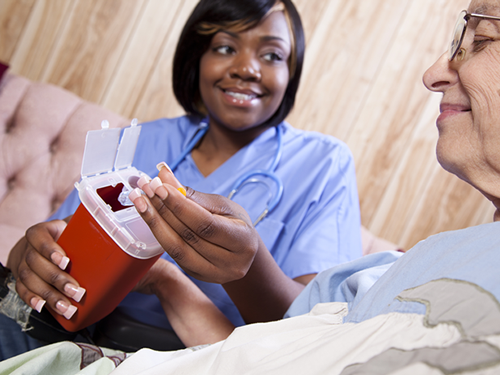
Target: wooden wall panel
{"x":90,"y":46}
{"x":14,"y":15}
{"x":44,"y":29}
{"x":362,"y":82}
{"x":342,"y":60}
{"x":141,"y":57}
{"x":158,"y":99}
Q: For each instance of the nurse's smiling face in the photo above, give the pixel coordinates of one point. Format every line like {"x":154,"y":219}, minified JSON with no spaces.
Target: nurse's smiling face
{"x":244,"y":75}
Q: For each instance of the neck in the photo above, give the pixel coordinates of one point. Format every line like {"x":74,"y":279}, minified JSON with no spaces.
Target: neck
{"x":219,"y":144}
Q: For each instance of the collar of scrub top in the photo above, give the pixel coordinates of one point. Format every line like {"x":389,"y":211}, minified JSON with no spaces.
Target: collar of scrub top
{"x":249,"y":176}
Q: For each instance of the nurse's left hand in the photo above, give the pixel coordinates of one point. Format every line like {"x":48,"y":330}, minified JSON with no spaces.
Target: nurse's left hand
{"x":209,"y":236}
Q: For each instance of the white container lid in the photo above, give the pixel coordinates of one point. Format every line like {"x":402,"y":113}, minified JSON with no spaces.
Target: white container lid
{"x":100,"y":153}
{"x":103,"y":153}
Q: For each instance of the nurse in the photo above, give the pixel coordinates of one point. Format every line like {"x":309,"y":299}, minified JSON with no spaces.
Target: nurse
{"x":236,"y":72}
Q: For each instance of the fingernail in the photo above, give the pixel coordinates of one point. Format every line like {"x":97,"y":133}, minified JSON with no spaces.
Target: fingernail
{"x":161,"y":192}
{"x":60,"y":260}
{"x":143,"y":181}
{"x":37,"y":303}
{"x":161,"y":165}
{"x":155,"y":183}
{"x":134,"y":194}
{"x":74,"y":292}
{"x":144,"y":185}
{"x":182,"y":190}
{"x":67,"y":310}
{"x":140,"y":205}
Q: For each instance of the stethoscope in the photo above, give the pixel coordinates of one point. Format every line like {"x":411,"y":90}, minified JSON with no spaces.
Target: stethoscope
{"x":248,"y":177}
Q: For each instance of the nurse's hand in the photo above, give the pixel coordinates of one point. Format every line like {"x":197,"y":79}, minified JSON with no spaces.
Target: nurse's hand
{"x":210,"y":237}
{"x":37,"y":262}
{"x":213,"y":239}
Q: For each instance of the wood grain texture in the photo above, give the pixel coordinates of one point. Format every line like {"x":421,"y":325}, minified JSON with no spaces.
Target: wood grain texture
{"x":362,"y":83}
{"x":14,"y":15}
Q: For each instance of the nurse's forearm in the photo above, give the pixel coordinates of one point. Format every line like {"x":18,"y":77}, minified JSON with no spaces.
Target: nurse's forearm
{"x":265,"y":293}
{"x":193,"y":316}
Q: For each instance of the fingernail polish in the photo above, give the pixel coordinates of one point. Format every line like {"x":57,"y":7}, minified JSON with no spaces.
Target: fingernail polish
{"x":155,"y":183}
{"x":143,"y":181}
{"x":140,"y":205}
{"x":161,"y":165}
{"x":67,"y":310}
{"x":136,"y":193}
{"x":74,"y":292}
{"x":60,"y":260}
{"x":37,"y":303}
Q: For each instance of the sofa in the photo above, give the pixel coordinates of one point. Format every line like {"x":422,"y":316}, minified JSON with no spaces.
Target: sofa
{"x":42,"y":137}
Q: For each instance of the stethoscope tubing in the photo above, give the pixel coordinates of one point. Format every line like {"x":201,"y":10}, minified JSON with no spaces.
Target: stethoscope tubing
{"x":268,"y":173}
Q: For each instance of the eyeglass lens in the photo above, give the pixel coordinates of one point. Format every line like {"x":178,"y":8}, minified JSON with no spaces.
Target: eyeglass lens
{"x":458,"y":35}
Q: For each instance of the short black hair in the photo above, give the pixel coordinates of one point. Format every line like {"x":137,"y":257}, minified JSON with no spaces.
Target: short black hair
{"x":192,"y":45}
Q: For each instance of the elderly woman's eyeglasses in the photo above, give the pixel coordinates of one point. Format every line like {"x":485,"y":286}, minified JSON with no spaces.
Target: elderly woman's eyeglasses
{"x":460,"y":28}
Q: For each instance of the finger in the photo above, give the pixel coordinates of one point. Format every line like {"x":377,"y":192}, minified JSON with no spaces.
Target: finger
{"x":143,"y":184}
{"x":35,"y":293}
{"x":215,"y":222}
{"x":219,"y":205}
{"x":197,"y":257}
{"x":166,"y":176}
{"x":212,"y":236}
{"x":43,"y":237}
{"x":162,"y":224}
{"x":37,"y":273}
{"x":45,"y":259}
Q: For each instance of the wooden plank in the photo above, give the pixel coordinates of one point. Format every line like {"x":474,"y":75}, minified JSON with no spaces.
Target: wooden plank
{"x":48,"y":17}
{"x":343,"y":57}
{"x":141,"y":56}
{"x":397,"y":99}
{"x":158,"y":99}
{"x":91,"y":45}
{"x":13,"y":16}
{"x":405,"y":188}
{"x":311,"y":12}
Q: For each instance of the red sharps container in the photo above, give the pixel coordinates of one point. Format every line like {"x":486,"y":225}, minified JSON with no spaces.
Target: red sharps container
{"x":108,"y":243}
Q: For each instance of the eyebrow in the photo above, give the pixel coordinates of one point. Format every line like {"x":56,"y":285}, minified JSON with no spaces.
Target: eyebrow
{"x":265,"y":38}
{"x":486,"y":9}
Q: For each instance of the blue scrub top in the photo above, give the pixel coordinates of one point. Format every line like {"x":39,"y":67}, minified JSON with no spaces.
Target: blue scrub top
{"x":315,"y":226}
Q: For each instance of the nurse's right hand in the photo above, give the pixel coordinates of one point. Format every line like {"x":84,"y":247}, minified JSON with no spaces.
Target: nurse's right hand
{"x":38,"y":262}
{"x":209,"y":236}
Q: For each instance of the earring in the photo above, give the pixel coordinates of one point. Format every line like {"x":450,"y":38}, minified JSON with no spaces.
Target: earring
{"x":461,"y":54}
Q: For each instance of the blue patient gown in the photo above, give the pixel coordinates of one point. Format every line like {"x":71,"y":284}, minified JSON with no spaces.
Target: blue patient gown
{"x":371,"y":285}
{"x":315,"y":226}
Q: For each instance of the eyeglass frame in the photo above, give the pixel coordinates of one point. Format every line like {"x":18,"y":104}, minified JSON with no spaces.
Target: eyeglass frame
{"x":463,"y":18}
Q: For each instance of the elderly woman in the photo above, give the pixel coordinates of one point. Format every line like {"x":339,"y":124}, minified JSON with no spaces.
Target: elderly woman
{"x":433,"y":310}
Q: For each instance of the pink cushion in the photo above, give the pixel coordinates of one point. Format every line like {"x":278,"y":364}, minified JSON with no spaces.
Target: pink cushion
{"x":42,"y":136}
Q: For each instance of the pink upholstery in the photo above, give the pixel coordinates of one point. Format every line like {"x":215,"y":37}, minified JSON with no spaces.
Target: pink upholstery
{"x":42,"y":136}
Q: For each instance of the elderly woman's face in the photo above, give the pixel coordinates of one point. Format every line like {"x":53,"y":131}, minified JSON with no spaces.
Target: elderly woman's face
{"x":469,"y":124}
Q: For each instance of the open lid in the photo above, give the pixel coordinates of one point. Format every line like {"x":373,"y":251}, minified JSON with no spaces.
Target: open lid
{"x":100,"y":154}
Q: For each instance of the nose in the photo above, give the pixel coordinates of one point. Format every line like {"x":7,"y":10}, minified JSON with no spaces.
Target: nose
{"x":246,"y":67}
{"x":440,"y":75}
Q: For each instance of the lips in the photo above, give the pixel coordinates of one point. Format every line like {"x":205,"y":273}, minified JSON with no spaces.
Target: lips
{"x":449,"y":109}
